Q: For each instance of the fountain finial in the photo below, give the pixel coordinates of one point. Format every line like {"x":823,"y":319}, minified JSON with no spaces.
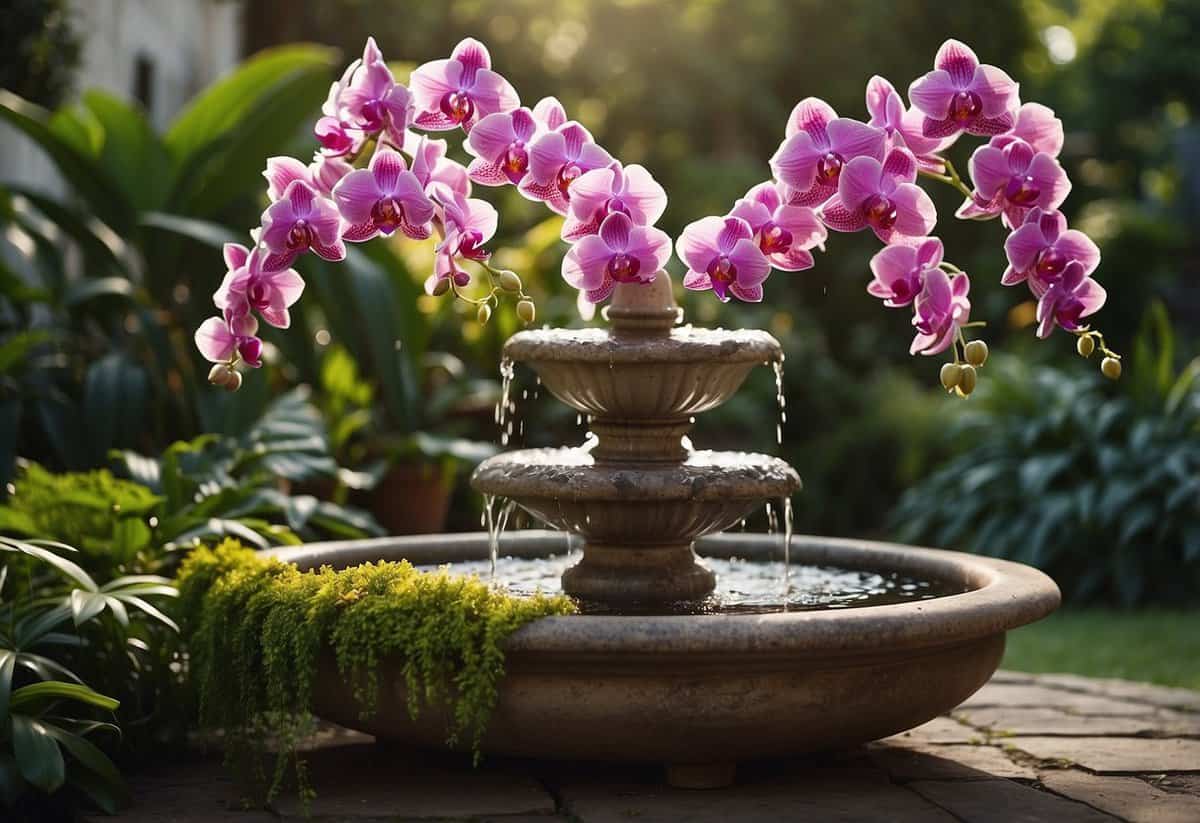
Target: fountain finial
{"x":644,"y":309}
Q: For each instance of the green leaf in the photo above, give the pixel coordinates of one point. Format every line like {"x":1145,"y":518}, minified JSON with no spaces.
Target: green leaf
{"x":85,"y":605}
{"x":8,"y":665}
{"x":210,"y":234}
{"x":15,"y":351}
{"x":11,"y":782}
{"x":38,"y":756}
{"x":82,"y":173}
{"x":223,"y":104}
{"x":132,"y":152}
{"x":82,"y":292}
{"x":28,"y":698}
{"x":114,"y":403}
{"x":38,"y":550}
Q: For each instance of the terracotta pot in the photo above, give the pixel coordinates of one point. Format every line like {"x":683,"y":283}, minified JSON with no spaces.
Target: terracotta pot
{"x":413,"y":498}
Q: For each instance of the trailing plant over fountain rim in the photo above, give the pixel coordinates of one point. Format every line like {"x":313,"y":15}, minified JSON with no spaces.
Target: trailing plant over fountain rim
{"x":257,"y":629}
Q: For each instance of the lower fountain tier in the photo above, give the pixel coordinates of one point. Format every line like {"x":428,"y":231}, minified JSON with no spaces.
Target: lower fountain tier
{"x":700,"y":693}
{"x":638,"y":520}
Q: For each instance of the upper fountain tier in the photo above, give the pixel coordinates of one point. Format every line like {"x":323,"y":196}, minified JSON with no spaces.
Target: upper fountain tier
{"x":642,"y":381}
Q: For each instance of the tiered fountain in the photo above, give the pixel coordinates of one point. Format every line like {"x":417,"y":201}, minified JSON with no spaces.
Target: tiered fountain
{"x":698,"y":692}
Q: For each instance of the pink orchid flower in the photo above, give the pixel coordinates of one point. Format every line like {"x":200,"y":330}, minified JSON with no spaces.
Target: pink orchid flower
{"x":784,"y":233}
{"x":900,"y":270}
{"x":817,"y":146}
{"x":322,"y":174}
{"x":881,"y":196}
{"x":556,"y":160}
{"x":1037,"y":126}
{"x":373,"y":101}
{"x":247,"y":286}
{"x":940,"y":309}
{"x":499,"y":143}
{"x":383,"y":197}
{"x":1012,"y":180}
{"x":1042,"y":247}
{"x":961,"y":94}
{"x":298,"y":221}
{"x":435,"y":170}
{"x":326,"y":172}
{"x":721,"y":255}
{"x":218,"y":341}
{"x":1067,"y":300}
{"x":461,"y":90}
{"x":600,"y":192}
{"x":468,"y":224}
{"x":622,"y":252}
{"x":902,"y":126}
{"x":549,"y":114}
{"x":336,"y":137}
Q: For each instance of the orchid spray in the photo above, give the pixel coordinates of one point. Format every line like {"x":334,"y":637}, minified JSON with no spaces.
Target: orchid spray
{"x":375,"y":173}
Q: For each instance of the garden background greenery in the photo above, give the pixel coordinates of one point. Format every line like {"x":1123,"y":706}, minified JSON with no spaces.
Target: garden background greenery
{"x":379,"y":400}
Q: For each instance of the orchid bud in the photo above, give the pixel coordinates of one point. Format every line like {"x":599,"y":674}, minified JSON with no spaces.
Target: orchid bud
{"x":966,"y":382}
{"x":510,"y":280}
{"x":234,"y":382}
{"x":1111,"y":368}
{"x":441,"y":287}
{"x":484,"y":314}
{"x":976,"y":352}
{"x":951,"y":374}
{"x":1085,"y":346}
{"x":526,"y":311}
{"x":219,"y":374}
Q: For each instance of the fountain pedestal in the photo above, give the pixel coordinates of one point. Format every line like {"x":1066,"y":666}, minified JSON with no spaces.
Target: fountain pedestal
{"x":637,"y":494}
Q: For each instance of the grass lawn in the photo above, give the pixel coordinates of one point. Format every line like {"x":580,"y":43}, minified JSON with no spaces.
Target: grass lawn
{"x":1156,"y":646}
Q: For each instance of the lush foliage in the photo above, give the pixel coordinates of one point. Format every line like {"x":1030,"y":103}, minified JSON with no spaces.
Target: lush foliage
{"x":39,"y":50}
{"x":256,"y":629}
{"x":1101,"y":491}
{"x":60,"y":634}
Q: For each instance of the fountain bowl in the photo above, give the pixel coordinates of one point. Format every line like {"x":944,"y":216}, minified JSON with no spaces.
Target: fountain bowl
{"x":700,"y":693}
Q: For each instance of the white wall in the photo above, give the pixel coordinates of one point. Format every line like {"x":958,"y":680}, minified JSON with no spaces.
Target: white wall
{"x":189,"y":43}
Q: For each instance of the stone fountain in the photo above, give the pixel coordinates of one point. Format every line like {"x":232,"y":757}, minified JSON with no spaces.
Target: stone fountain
{"x":697,"y":692}
{"x":637,"y":494}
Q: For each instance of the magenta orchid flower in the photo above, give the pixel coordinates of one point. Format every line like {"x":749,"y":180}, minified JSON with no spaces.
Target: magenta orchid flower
{"x":1042,"y":247}
{"x":373,"y":101}
{"x":1069,"y":299}
{"x":499,"y":143}
{"x":600,"y":192}
{"x":326,"y":172}
{"x":902,"y":126}
{"x":434,"y":170}
{"x":336,"y":137}
{"x":219,"y":341}
{"x":622,"y":252}
{"x":468,"y":224}
{"x":817,"y":146}
{"x":1037,"y":126}
{"x":247,"y":286}
{"x":784,"y":233}
{"x":460,"y":91}
{"x":900,"y":270}
{"x":383,"y":197}
{"x":322,"y":174}
{"x":939,"y":311}
{"x":556,"y":160}
{"x":721,"y":255}
{"x":882,"y":197}
{"x":298,"y":221}
{"x":1012,"y":180}
{"x":961,"y":94}
{"x":549,"y":113}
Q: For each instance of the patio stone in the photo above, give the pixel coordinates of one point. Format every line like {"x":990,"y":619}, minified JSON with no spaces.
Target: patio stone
{"x":1079,"y":750}
{"x":1116,"y":755}
{"x":1003,"y":801}
{"x":1051,"y":721}
{"x":1128,"y":797}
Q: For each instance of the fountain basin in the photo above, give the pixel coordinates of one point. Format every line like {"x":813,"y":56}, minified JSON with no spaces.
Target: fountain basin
{"x":638,"y":519}
{"x":700,"y":693}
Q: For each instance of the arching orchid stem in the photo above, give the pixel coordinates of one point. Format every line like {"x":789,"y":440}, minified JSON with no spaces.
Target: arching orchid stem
{"x":1096,"y":336}
{"x":950,"y":178}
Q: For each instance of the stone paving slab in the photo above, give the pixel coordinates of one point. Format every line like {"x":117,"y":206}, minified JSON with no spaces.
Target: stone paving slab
{"x":1079,"y":750}
{"x":1116,"y":755}
{"x":1131,"y":798}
